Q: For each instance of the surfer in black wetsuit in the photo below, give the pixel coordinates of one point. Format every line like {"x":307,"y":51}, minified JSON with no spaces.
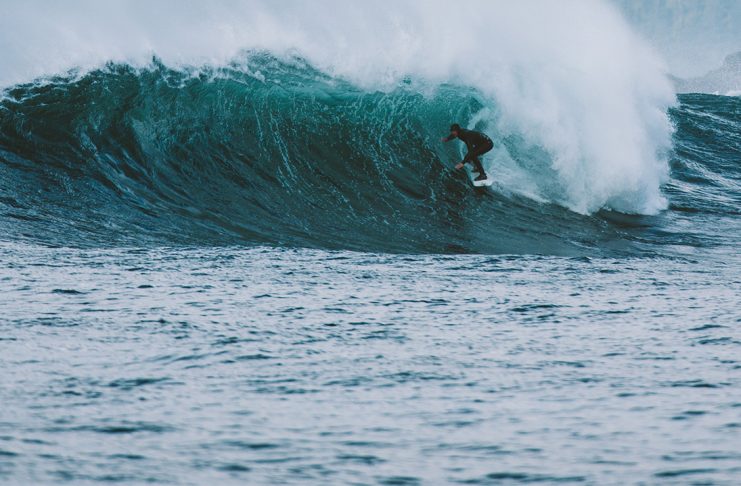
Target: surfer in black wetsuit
{"x":476,"y":142}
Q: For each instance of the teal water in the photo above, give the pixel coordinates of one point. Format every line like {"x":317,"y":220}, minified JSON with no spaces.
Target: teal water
{"x":263,"y":274}
{"x":294,"y":158}
{"x":275,"y":366}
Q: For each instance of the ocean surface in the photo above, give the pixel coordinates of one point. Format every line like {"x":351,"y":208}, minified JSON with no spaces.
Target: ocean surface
{"x":266,"y":270}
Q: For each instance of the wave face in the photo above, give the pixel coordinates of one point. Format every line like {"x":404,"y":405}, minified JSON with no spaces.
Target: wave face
{"x":271,"y":152}
{"x":283,"y":124}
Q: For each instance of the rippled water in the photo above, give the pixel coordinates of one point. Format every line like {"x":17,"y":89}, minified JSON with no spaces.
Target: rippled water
{"x":271,"y":366}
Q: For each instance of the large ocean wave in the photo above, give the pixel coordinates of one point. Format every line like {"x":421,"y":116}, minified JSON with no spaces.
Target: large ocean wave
{"x":282,"y":124}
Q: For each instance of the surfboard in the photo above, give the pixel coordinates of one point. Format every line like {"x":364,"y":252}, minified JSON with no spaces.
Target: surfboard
{"x":485,"y":183}
{"x":473,"y":175}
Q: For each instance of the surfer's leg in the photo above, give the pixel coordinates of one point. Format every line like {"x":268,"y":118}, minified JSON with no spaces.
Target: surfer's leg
{"x":477,"y":167}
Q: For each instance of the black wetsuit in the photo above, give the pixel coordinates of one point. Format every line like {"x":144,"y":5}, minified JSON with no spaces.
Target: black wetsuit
{"x":478,"y":144}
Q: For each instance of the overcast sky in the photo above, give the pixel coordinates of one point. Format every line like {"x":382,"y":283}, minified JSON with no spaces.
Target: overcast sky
{"x":694,"y":36}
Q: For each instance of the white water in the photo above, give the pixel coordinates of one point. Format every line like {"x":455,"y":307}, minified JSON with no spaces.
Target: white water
{"x":568,"y":76}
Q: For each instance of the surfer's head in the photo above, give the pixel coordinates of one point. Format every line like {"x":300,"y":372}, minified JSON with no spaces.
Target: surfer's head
{"x":455,"y":129}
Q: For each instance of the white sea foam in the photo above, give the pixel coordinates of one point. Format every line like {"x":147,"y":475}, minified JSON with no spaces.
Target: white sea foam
{"x":569,"y":77}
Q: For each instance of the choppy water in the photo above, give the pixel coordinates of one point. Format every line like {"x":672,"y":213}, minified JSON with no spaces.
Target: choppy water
{"x":263,"y":270}
{"x":274,"y":366}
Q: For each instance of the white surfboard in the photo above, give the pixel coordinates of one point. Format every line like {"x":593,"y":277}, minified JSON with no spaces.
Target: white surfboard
{"x":485,"y":183}
{"x":473,"y":175}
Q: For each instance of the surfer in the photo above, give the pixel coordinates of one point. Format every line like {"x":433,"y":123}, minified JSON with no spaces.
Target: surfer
{"x":477,"y":143}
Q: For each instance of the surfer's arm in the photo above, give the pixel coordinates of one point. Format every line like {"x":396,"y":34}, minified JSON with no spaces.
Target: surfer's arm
{"x":463,"y":162}
{"x":449,"y":138}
